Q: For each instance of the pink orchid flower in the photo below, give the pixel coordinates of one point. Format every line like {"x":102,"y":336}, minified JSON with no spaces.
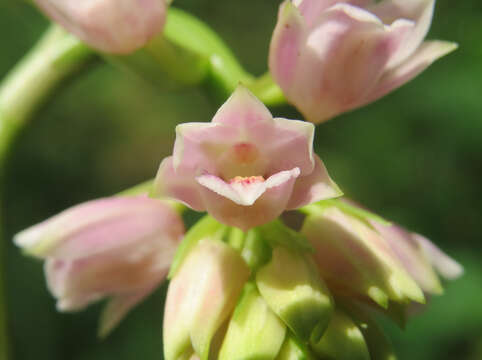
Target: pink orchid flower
{"x":111,"y":26}
{"x":116,"y":248}
{"x":245,"y":168}
{"x":332,"y":56}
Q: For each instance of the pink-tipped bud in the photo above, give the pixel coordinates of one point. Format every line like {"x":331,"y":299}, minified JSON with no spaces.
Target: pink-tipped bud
{"x":111,"y":26}
{"x":331,"y":56}
{"x":201,"y":296}
{"x":116,"y":248}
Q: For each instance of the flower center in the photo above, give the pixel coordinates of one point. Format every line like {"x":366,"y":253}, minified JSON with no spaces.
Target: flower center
{"x":246,"y":180}
{"x":245,"y":153}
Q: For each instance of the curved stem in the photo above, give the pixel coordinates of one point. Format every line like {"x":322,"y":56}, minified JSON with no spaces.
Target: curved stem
{"x":55,"y":58}
{"x":222,"y":72}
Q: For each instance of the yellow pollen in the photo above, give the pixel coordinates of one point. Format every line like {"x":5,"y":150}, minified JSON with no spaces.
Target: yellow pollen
{"x":246,"y":180}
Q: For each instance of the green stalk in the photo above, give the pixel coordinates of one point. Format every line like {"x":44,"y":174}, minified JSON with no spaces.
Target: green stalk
{"x":55,"y":58}
{"x":225,"y":71}
{"x":188,"y":53}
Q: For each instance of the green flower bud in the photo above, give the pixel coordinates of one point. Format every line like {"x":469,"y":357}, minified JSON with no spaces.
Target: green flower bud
{"x":342,"y":340}
{"x":254,"y":332}
{"x":293,"y":289}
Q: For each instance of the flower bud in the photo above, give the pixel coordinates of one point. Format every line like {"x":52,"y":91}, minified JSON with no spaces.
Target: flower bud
{"x":342,"y":340}
{"x":293,"y":289}
{"x":331,"y":56}
{"x":111,"y":26}
{"x":355,"y":259}
{"x":293,"y":349}
{"x":254,"y":331}
{"x":201,"y":296}
{"x":116,"y":248}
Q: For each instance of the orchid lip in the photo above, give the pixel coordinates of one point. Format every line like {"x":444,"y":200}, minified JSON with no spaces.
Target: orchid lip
{"x":246,"y":190}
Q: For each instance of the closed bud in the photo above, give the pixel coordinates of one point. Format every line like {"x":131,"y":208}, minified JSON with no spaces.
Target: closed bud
{"x":201,"y":296}
{"x":356,"y":260}
{"x":254,"y":331}
{"x":115,"y":248}
{"x":331,"y":56}
{"x":293,"y":289}
{"x":342,"y":340}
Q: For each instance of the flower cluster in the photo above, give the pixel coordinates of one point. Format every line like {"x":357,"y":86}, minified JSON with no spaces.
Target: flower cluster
{"x":243,"y":283}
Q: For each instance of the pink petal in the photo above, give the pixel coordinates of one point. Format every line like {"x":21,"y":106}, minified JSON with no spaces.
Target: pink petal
{"x":344,"y":56}
{"x":241,"y":110}
{"x":289,"y":144}
{"x":425,"y":55}
{"x":267,"y":207}
{"x":314,"y":187}
{"x":200,"y":298}
{"x":100,"y":226}
{"x":179,"y":185}
{"x":285,"y":44}
{"x":76,"y":283}
{"x":246,"y":193}
{"x":419,"y":11}
{"x":117,"y":308}
{"x":445,"y":265}
{"x":411,"y":256}
{"x":112,"y":26}
{"x":312,"y":9}
{"x":350,"y":254}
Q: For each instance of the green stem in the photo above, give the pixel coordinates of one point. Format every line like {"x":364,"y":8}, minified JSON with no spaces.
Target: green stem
{"x":56,"y":56}
{"x":188,"y":52}
{"x":224,"y":70}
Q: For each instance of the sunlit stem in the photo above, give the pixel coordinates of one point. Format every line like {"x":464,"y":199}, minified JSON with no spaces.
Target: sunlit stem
{"x":223,"y":72}
{"x":55,"y":58}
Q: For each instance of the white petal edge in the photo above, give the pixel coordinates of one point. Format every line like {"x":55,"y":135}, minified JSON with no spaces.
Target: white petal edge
{"x":246,"y":194}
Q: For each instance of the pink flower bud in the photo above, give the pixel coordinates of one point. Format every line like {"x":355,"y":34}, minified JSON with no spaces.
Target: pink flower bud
{"x":111,"y":26}
{"x":358,"y":252}
{"x":201,"y":296}
{"x":354,"y":259}
{"x":332,"y":56}
{"x":117,"y":248}
{"x":245,"y":168}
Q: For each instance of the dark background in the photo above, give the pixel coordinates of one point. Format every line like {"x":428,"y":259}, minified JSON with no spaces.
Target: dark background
{"x":414,"y":157}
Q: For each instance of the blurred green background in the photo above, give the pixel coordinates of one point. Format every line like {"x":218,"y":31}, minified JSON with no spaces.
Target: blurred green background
{"x":414,"y":157}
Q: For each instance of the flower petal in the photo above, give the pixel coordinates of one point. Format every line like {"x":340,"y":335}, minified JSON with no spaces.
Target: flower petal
{"x":411,"y":256}
{"x":100,"y":226}
{"x":285,"y":44}
{"x":419,"y":11}
{"x":445,"y":265}
{"x":179,"y":185}
{"x":117,"y":308}
{"x":314,"y":187}
{"x":76,"y":283}
{"x":242,"y":109}
{"x":345,"y":55}
{"x":200,"y":298}
{"x":112,"y":26}
{"x":220,"y":201}
{"x":311,"y":9}
{"x":350,"y":254}
{"x":425,"y":55}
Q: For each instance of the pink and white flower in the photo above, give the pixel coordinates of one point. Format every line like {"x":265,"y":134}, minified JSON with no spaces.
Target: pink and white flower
{"x":332,"y":56}
{"x":116,"y":248}
{"x":111,"y":26}
{"x":245,"y":168}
